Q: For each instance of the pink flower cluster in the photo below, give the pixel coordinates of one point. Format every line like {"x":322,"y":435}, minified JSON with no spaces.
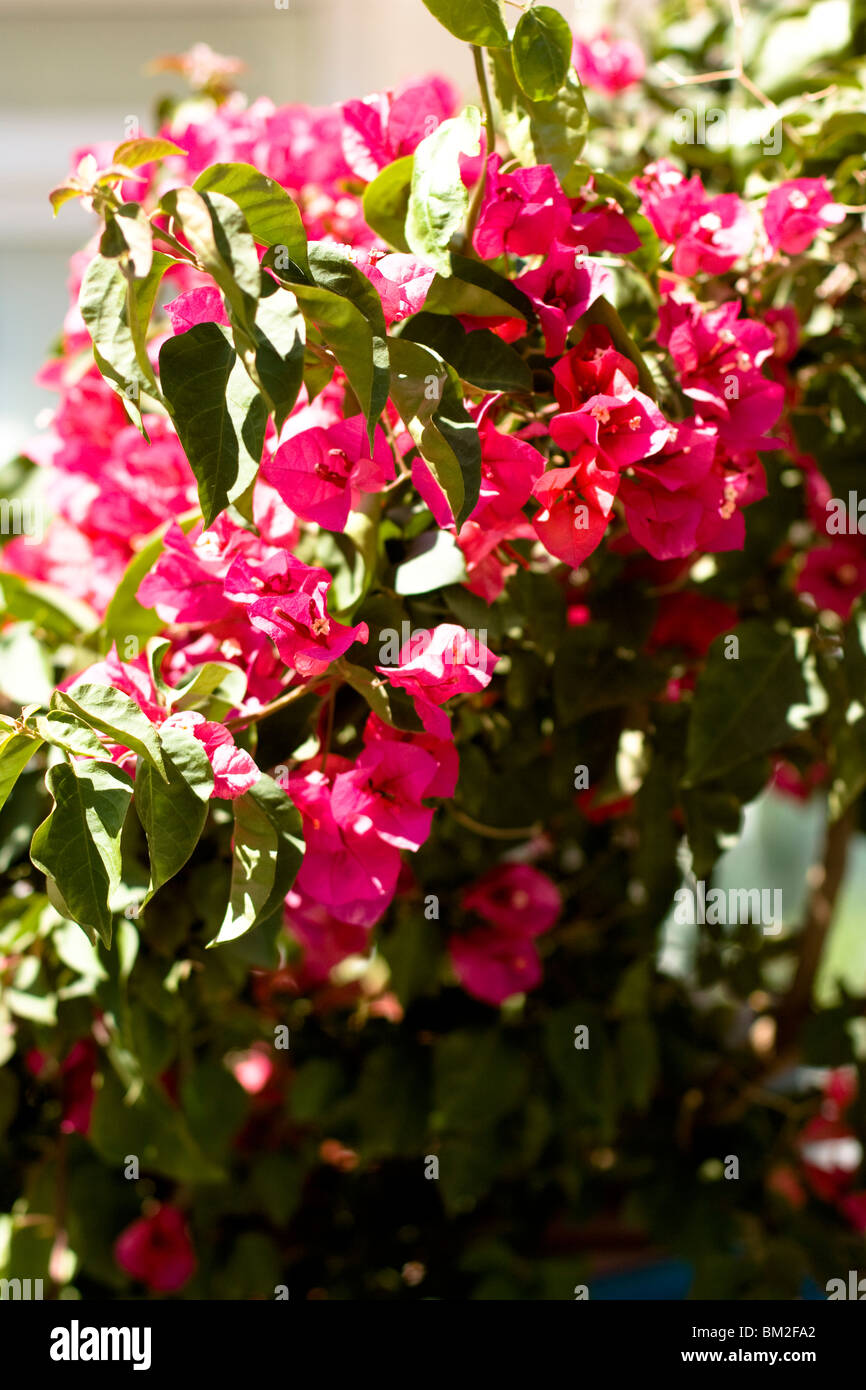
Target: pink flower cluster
{"x":357,"y":817}
{"x":497,"y":956}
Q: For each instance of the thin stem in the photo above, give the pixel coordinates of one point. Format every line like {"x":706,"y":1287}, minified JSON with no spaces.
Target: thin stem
{"x":492,"y":832}
{"x":819,"y":917}
{"x":329,"y":730}
{"x":162,"y":235}
{"x":241,"y":721}
{"x":489,"y":139}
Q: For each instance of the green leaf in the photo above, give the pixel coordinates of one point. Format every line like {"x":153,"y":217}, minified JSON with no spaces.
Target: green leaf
{"x":173,"y":813}
{"x":479,"y":21}
{"x":26,"y":669}
{"x":713,"y":812}
{"x":125,"y":616}
{"x":218,"y":413}
{"x":109,"y":710}
{"x":153,"y":1128}
{"x":54,"y":611}
{"x":741,"y":701}
{"x":475,"y":288}
{"x":541,"y":52}
{"x":217,"y":232}
{"x":386,"y":202}
{"x":591,"y":673}
{"x":203,"y":681}
{"x":439,"y":199}
{"x":16,"y":750}
{"x":541,"y":132}
{"x":64,"y":193}
{"x":68,"y":732}
{"x":426,"y":391}
{"x":334,"y":271}
{"x":271,"y":215}
{"x":129,"y":236}
{"x":841,"y":126}
{"x":78,"y":845}
{"x":133,"y":153}
{"x":351,"y":557}
{"x":469,"y":1165}
{"x":357,"y":346}
{"x":117,"y":315}
{"x":433,"y":559}
{"x":214,"y":1106}
{"x":331,"y":268}
{"x":602,"y":311}
{"x":478,"y":1078}
{"x":479,"y":357}
{"x":268,"y":849}
{"x":279,"y":335}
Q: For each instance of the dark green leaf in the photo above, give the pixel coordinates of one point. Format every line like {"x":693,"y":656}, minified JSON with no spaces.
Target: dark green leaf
{"x":268,"y":849}
{"x":359,"y":349}
{"x":383,"y":699}
{"x":392,"y":1102}
{"x":478,"y":1078}
{"x":413,"y":951}
{"x":477,"y":289}
{"x":741,"y":701}
{"x":479,"y":357}
{"x":153,"y":1129}
{"x":219,"y":415}
{"x":78,"y":845}
{"x":277,"y":365}
{"x":173,"y":813}
{"x":426,"y":391}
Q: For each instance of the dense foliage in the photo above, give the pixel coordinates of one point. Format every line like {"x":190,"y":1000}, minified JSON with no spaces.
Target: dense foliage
{"x":453,"y":526}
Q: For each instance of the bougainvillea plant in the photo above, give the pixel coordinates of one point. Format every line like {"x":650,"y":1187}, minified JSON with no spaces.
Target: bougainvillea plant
{"x":445,"y":546}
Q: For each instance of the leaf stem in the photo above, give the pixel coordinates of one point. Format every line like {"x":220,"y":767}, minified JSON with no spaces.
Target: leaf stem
{"x":297,"y":692}
{"x":489,"y":139}
{"x":160,"y":234}
{"x":493,"y":832}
